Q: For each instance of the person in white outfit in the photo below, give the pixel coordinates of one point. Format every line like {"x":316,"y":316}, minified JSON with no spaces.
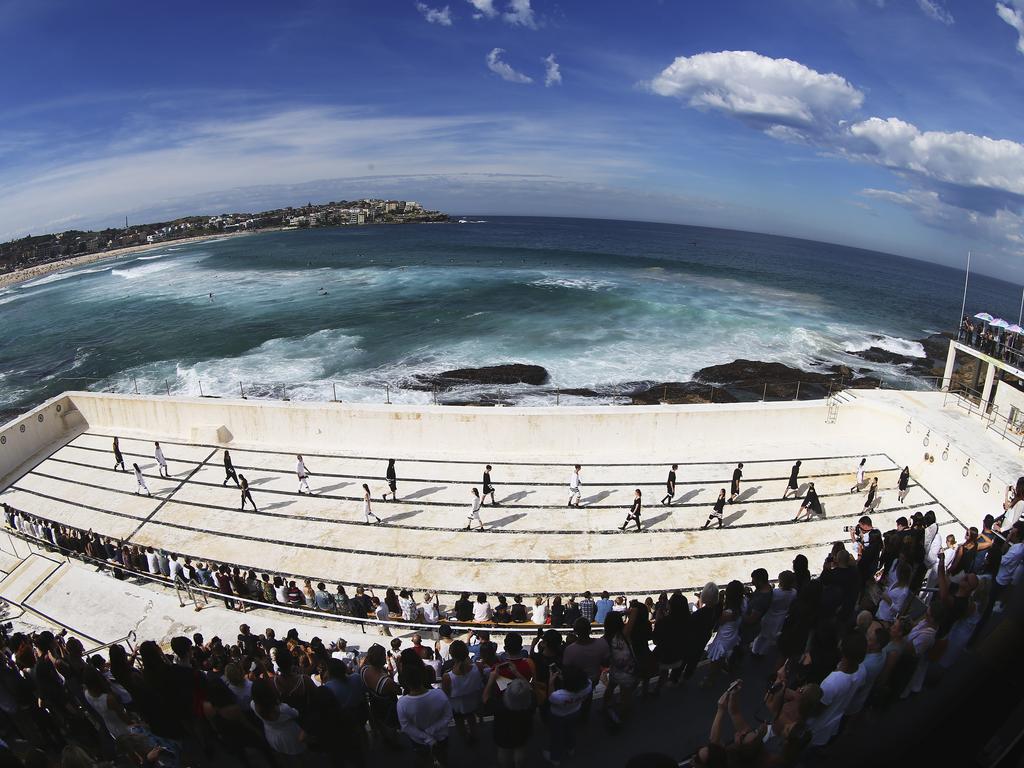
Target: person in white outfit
{"x":303,"y":474}
{"x":574,"y":487}
{"x":860,"y":477}
{"x":540,"y":611}
{"x":474,"y":511}
{"x":367,"y":512}
{"x":140,"y":480}
{"x":158,"y":454}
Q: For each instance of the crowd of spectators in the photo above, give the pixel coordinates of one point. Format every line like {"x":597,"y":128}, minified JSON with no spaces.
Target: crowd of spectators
{"x":991,"y":340}
{"x":888,"y":614}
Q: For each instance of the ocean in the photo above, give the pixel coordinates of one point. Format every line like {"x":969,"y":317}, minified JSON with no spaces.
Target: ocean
{"x":354,"y":313}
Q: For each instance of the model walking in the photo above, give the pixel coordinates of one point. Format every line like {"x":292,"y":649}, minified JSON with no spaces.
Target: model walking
{"x":367,"y":512}
{"x":474,"y":510}
{"x":634,"y":511}
{"x":870,"y":500}
{"x":860,"y":476}
{"x":794,"y":483}
{"x":140,"y":480}
{"x":488,"y":487}
{"x":737,"y":475}
{"x":811,"y":505}
{"x":903,"y":484}
{"x":670,"y":485}
{"x":303,"y":474}
{"x":392,"y":477}
{"x":243,"y":486}
{"x":118,"y":458}
{"x":158,"y":454}
{"x":574,"y":487}
{"x":716,"y":511}
{"x":229,"y":470}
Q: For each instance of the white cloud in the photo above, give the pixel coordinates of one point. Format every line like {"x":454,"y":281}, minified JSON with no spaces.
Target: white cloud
{"x":484,"y":9}
{"x":504,"y":70}
{"x":954,"y":158}
{"x":442,"y":16}
{"x":934,"y":11}
{"x":771,"y":94}
{"x":520,"y":13}
{"x":1012,"y":12}
{"x":552,"y":71}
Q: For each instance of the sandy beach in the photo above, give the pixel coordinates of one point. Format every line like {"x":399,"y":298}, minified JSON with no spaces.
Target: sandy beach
{"x":30,"y":273}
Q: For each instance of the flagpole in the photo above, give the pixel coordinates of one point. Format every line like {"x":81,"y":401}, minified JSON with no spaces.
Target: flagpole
{"x":967,"y":276}
{"x":1020,"y":316}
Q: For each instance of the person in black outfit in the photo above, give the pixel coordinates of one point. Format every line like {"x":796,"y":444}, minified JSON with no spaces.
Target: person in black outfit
{"x":243,"y":486}
{"x":794,"y":484}
{"x":716,"y":512}
{"x":118,"y":458}
{"x":634,"y":512}
{"x":811,"y":504}
{"x":464,"y":608}
{"x":670,"y":485}
{"x":870,"y":500}
{"x":903,"y":484}
{"x":488,"y":488}
{"x":734,"y":491}
{"x":392,"y":477}
{"x":229,"y":470}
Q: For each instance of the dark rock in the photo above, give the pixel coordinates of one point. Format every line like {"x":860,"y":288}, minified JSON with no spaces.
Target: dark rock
{"x":751,"y":372}
{"x":843,"y":370}
{"x":878,"y":355}
{"x":507,"y":373}
{"x":577,"y":392}
{"x":681,"y":392}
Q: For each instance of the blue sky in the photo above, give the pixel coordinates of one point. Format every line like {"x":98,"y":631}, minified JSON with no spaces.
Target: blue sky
{"x":890,"y":124}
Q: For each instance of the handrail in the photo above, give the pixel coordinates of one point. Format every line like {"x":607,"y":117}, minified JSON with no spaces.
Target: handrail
{"x":181,"y":585}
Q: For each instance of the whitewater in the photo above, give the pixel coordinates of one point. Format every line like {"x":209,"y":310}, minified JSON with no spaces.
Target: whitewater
{"x":355,"y":313}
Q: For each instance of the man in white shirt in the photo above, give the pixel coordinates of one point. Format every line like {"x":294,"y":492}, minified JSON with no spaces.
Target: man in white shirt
{"x":572,"y":689}
{"x":838,"y":690}
{"x":424,"y":714}
{"x":872,"y":666}
{"x":1010,"y":571}
{"x":574,"y":487}
{"x":303,"y":475}
{"x":158,"y":454}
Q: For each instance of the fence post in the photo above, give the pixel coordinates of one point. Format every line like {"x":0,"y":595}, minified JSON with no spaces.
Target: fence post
{"x":557,"y":393}
{"x":764,"y":393}
{"x":434,"y":388}
{"x":797,"y":390}
{"x":167,"y":387}
{"x":200,"y":387}
{"x":240,"y":390}
{"x":711,"y":399}
{"x":334,"y":389}
{"x":387,"y":393}
{"x":136,"y":383}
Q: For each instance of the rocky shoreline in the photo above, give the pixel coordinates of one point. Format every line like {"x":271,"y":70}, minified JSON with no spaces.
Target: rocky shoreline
{"x":738,"y":381}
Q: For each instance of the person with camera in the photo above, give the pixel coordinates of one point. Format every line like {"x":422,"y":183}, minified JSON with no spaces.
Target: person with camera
{"x":868,"y":541}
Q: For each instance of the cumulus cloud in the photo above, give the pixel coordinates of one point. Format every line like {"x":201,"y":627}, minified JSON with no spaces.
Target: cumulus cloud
{"x":552,"y":71}
{"x":442,"y":16}
{"x":780,"y":96}
{"x":484,"y":9}
{"x":934,"y":11}
{"x":520,"y":13}
{"x":503,"y":69}
{"x":1012,"y":12}
{"x":955,"y":180}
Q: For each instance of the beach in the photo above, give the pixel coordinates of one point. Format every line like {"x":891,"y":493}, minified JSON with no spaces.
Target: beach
{"x":41,"y":270}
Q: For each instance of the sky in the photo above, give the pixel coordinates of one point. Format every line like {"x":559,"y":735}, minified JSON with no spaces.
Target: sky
{"x":895,"y":125}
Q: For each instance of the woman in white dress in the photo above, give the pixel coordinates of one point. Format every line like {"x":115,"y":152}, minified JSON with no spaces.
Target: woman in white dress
{"x":474,"y":511}
{"x":896,"y":597}
{"x":728,"y":635}
{"x":771,"y":624}
{"x":367,"y":512}
{"x":140,"y":480}
{"x":540,"y":611}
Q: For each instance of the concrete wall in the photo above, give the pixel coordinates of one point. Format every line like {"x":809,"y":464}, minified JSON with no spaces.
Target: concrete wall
{"x":34,"y":435}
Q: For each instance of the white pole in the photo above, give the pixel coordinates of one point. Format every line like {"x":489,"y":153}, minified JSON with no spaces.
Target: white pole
{"x":967,"y":276}
{"x":1020,"y":315}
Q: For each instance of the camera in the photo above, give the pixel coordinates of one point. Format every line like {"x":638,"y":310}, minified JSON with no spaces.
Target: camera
{"x":848,"y":528}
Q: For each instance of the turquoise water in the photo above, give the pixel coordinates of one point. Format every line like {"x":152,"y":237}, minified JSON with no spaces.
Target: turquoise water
{"x":599,"y":304}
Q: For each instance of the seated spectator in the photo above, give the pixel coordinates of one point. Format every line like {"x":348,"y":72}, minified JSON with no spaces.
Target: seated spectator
{"x":429,"y":611}
{"x":481,"y":608}
{"x":464,"y":608}
{"x":322,"y":599}
{"x":501,"y":614}
{"x":603,"y":607}
{"x":517,"y":614}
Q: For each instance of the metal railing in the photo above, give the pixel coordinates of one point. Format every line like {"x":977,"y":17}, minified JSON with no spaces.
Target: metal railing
{"x":192,"y":595}
{"x":1000,"y":350}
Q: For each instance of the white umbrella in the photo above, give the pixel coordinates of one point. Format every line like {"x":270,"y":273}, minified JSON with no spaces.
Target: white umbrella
{"x":1015,"y":329}
{"x":984,"y":316}
{"x":999,"y":323}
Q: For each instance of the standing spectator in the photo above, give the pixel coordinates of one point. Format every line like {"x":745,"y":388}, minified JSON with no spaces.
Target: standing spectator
{"x":622,"y":670}
{"x":728,"y":635}
{"x":382,"y":692}
{"x":772,"y":621}
{"x":513,"y":717}
{"x":757,"y":605}
{"x":322,"y":599}
{"x":464,"y":686}
{"x":280,"y":723}
{"x":670,"y":634}
{"x":391,"y":476}
{"x":229,"y":470}
{"x":838,"y":690}
{"x":670,"y":486}
{"x":588,"y":609}
{"x":587,"y":653}
{"x":424,"y":714}
{"x":571,"y":689}
{"x":158,"y":454}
